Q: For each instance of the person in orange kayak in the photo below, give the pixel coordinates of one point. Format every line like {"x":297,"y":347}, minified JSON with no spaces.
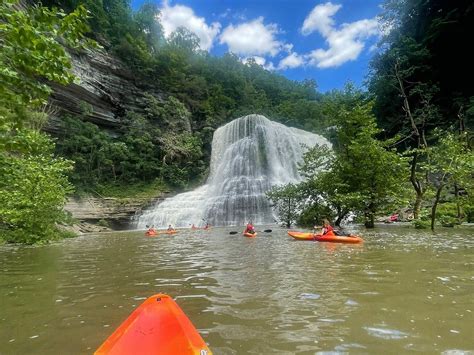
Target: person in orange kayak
{"x":326,"y":227}
{"x":170,"y":229}
{"x":151,"y":230}
{"x":250,"y":228}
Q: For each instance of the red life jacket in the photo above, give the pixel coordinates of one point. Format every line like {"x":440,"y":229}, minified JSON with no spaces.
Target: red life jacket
{"x":328,"y":229}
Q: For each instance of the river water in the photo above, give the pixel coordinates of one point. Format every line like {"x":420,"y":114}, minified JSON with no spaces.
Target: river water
{"x":401,"y":291}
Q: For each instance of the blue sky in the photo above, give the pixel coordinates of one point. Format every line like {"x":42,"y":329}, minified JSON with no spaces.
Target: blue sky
{"x":331,"y":42}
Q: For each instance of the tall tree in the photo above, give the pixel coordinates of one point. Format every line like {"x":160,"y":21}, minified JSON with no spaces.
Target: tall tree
{"x":33,"y":185}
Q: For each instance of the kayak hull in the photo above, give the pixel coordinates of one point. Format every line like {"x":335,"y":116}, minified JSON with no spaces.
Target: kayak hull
{"x":250,"y":235}
{"x":330,"y":237}
{"x":157,"y":326}
{"x":152,"y":234}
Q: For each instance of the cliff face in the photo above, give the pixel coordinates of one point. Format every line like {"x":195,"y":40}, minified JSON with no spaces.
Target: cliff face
{"x":118,"y":212}
{"x":103,"y":92}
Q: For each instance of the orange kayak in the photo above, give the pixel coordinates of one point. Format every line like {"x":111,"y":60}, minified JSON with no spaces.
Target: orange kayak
{"x":157,"y":326}
{"x":329,"y":237}
{"x":151,"y":234}
{"x":250,"y":235}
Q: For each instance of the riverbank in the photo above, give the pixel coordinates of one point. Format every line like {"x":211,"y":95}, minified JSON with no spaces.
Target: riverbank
{"x":99,"y":214}
{"x":112,"y":207}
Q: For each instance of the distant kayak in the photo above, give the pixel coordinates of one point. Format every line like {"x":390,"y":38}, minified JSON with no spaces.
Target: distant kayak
{"x":250,"y":235}
{"x":329,"y":237}
{"x":157,"y":326}
{"x":153,"y":233}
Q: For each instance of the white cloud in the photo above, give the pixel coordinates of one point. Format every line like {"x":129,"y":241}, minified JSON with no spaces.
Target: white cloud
{"x":176,"y":16}
{"x":320,"y":19}
{"x":293,"y":60}
{"x":252,"y":38}
{"x":345,"y":43}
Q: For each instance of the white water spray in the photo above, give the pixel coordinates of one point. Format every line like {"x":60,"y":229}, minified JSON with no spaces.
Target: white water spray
{"x":249,"y":156}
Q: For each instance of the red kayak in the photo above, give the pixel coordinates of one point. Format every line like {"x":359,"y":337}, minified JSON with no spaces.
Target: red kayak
{"x":157,"y":326}
{"x":329,"y":237}
{"x":250,"y":235}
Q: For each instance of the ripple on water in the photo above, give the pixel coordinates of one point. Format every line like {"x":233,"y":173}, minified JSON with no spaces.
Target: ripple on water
{"x":351,"y":303}
{"x":385,"y":333}
{"x":262,"y":296}
{"x":309,"y":296}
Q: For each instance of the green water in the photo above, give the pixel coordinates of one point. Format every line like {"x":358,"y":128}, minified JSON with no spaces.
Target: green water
{"x":402,"y":291}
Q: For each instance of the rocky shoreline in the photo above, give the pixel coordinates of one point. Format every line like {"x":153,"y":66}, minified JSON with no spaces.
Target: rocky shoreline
{"x":94,"y":214}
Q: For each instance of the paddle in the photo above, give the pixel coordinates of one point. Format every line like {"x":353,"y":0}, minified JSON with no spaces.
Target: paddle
{"x":266,"y":231}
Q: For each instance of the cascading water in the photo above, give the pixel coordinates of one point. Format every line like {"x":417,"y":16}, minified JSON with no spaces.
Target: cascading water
{"x":249,"y":156}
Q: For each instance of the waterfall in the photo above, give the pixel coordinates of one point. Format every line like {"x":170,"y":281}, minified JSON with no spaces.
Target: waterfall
{"x":249,"y":156}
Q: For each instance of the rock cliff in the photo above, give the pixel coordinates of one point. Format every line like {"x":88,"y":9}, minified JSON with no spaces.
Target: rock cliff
{"x":102,"y":93}
{"x":118,"y":213}
{"x":104,"y":90}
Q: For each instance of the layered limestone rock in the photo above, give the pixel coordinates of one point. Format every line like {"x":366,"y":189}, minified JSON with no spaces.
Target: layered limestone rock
{"x":104,"y":90}
{"x":117,"y":212}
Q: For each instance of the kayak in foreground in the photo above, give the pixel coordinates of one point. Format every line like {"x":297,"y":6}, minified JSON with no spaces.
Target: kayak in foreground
{"x":250,"y":235}
{"x":157,"y":326}
{"x":329,"y":237}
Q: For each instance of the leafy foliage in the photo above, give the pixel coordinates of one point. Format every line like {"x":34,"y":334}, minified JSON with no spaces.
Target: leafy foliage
{"x":287,"y":201}
{"x":363,"y":176}
{"x":157,"y":146}
{"x":423,"y":40}
{"x":451,"y":164}
{"x":33,"y":183}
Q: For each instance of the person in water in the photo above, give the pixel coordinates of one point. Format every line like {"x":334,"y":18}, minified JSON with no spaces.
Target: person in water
{"x":250,"y":228}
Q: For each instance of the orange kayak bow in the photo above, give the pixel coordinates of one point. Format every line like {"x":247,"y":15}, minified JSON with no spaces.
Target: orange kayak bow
{"x":250,"y":235}
{"x":157,"y":326}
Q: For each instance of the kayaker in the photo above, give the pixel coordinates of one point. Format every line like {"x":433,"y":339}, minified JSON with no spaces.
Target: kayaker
{"x":170,"y":229}
{"x":250,"y":228}
{"x":326,"y":227}
{"x":207,"y":226}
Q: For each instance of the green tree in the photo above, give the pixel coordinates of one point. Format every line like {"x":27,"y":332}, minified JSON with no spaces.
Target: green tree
{"x":287,"y":200}
{"x":451,"y":163}
{"x":33,"y":186}
{"x":327,"y":195}
{"x":363,"y":175}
